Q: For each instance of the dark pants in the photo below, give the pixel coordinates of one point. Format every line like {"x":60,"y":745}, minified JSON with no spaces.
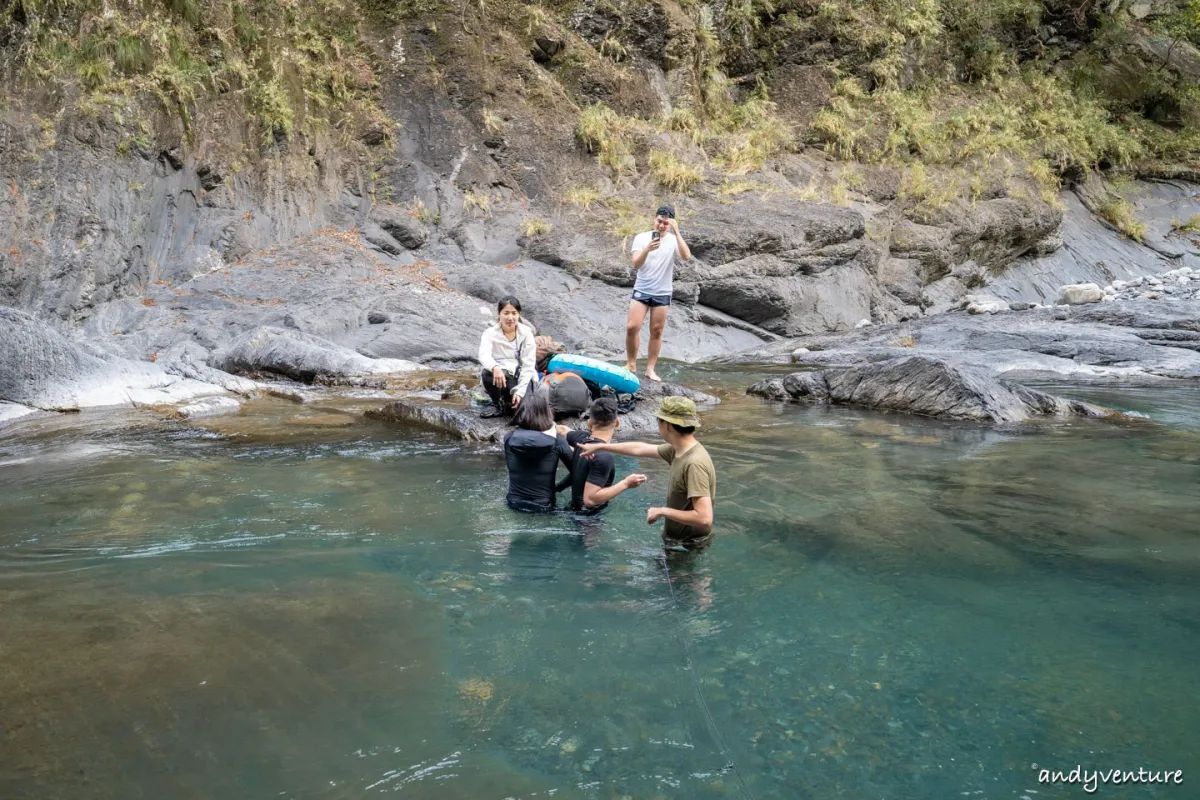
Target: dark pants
{"x":501,"y":398}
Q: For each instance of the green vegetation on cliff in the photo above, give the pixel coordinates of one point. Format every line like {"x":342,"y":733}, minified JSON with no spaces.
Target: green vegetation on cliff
{"x":963,"y":98}
{"x":942,"y":81}
{"x":294,"y":65}
{"x":966,"y":99}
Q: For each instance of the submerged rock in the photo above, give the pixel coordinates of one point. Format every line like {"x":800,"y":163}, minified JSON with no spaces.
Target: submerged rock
{"x":924,"y":386}
{"x":461,"y":422}
{"x":209,"y":407}
{"x":300,"y":356}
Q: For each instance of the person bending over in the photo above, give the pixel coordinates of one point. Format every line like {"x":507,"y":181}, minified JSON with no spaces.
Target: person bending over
{"x":532,"y":453}
{"x":508,"y":354}
{"x":693,"y":481}
{"x":654,"y":254}
{"x":591,"y":480}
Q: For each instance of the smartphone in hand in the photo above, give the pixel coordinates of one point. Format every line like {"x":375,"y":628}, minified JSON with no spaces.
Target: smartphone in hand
{"x":655,"y":235}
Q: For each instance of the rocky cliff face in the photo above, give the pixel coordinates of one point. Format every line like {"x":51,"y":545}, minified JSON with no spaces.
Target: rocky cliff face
{"x":85,"y":220}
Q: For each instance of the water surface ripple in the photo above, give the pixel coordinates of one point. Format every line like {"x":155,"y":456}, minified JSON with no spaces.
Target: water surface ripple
{"x":894,"y":608}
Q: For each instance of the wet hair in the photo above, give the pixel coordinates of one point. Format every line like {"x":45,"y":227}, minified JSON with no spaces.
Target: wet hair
{"x":508,"y":300}
{"x":603,"y":412}
{"x":534,"y":413}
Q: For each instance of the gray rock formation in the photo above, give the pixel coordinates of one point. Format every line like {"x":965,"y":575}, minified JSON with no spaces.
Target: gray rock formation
{"x":300,"y":356}
{"x":579,"y":255}
{"x":188,"y":360}
{"x":1079,"y":294}
{"x":1131,"y":341}
{"x":330,"y":287}
{"x":982,"y":304}
{"x":41,"y":368}
{"x":1093,"y":252}
{"x":82,"y":226}
{"x":408,"y":231}
{"x":208,"y":407}
{"x":1178,"y":284}
{"x":789,"y":267}
{"x":456,"y":421}
{"x":927,"y":387}
{"x":10,"y":412}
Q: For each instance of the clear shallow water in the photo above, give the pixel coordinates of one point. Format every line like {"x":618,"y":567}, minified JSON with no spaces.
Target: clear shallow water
{"x":894,"y":608}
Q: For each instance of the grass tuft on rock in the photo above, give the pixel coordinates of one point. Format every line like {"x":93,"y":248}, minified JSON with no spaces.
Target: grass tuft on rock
{"x":672,"y":172}
{"x":535,"y":226}
{"x":1120,"y":214}
{"x":1192,"y":225}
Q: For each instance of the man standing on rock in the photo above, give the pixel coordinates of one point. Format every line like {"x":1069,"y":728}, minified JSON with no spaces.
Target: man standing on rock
{"x":693,"y":481}
{"x":654,"y":254}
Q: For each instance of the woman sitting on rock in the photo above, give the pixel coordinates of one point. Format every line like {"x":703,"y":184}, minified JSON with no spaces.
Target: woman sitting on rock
{"x":533,"y":452}
{"x":508,"y":355}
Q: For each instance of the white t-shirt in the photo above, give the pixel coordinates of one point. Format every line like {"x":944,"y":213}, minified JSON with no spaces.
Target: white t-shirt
{"x":658,"y":272}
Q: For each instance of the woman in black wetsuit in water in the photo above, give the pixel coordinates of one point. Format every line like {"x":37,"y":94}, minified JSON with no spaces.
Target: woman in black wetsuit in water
{"x":533,"y":452}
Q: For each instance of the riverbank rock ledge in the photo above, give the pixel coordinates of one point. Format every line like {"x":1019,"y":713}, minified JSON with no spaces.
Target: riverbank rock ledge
{"x":453,"y":416}
{"x":42,"y":369}
{"x":927,"y":387}
{"x":300,"y":356}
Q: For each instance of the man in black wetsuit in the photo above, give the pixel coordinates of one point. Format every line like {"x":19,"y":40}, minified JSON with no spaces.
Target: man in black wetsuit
{"x":591,"y":481}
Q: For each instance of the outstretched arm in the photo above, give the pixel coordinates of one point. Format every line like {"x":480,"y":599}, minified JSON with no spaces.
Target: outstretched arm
{"x":635,"y":449}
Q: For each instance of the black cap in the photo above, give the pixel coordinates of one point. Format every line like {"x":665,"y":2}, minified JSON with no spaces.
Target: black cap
{"x":665,"y":211}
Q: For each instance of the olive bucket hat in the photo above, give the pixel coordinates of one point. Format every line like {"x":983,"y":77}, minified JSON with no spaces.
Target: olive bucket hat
{"x":678,"y":411}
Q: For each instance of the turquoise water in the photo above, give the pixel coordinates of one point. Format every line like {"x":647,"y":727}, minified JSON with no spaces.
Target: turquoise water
{"x":288,"y":606}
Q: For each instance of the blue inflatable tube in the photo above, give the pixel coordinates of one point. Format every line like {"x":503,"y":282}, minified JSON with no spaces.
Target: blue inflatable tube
{"x":599,"y":372}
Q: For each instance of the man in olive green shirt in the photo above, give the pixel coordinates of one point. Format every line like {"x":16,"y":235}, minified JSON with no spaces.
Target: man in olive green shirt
{"x":688,"y":514}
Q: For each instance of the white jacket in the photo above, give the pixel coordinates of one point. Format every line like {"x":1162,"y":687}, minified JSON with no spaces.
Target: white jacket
{"x":495,"y":350}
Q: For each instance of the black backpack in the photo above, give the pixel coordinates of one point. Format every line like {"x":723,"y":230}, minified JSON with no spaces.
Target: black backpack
{"x":568,"y":394}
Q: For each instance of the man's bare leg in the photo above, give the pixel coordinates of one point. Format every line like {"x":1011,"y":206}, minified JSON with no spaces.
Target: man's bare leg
{"x":658,"y":323}
{"x":633,"y":329}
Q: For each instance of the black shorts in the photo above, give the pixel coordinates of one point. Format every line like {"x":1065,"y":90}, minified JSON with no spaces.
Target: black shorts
{"x":652,"y":300}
